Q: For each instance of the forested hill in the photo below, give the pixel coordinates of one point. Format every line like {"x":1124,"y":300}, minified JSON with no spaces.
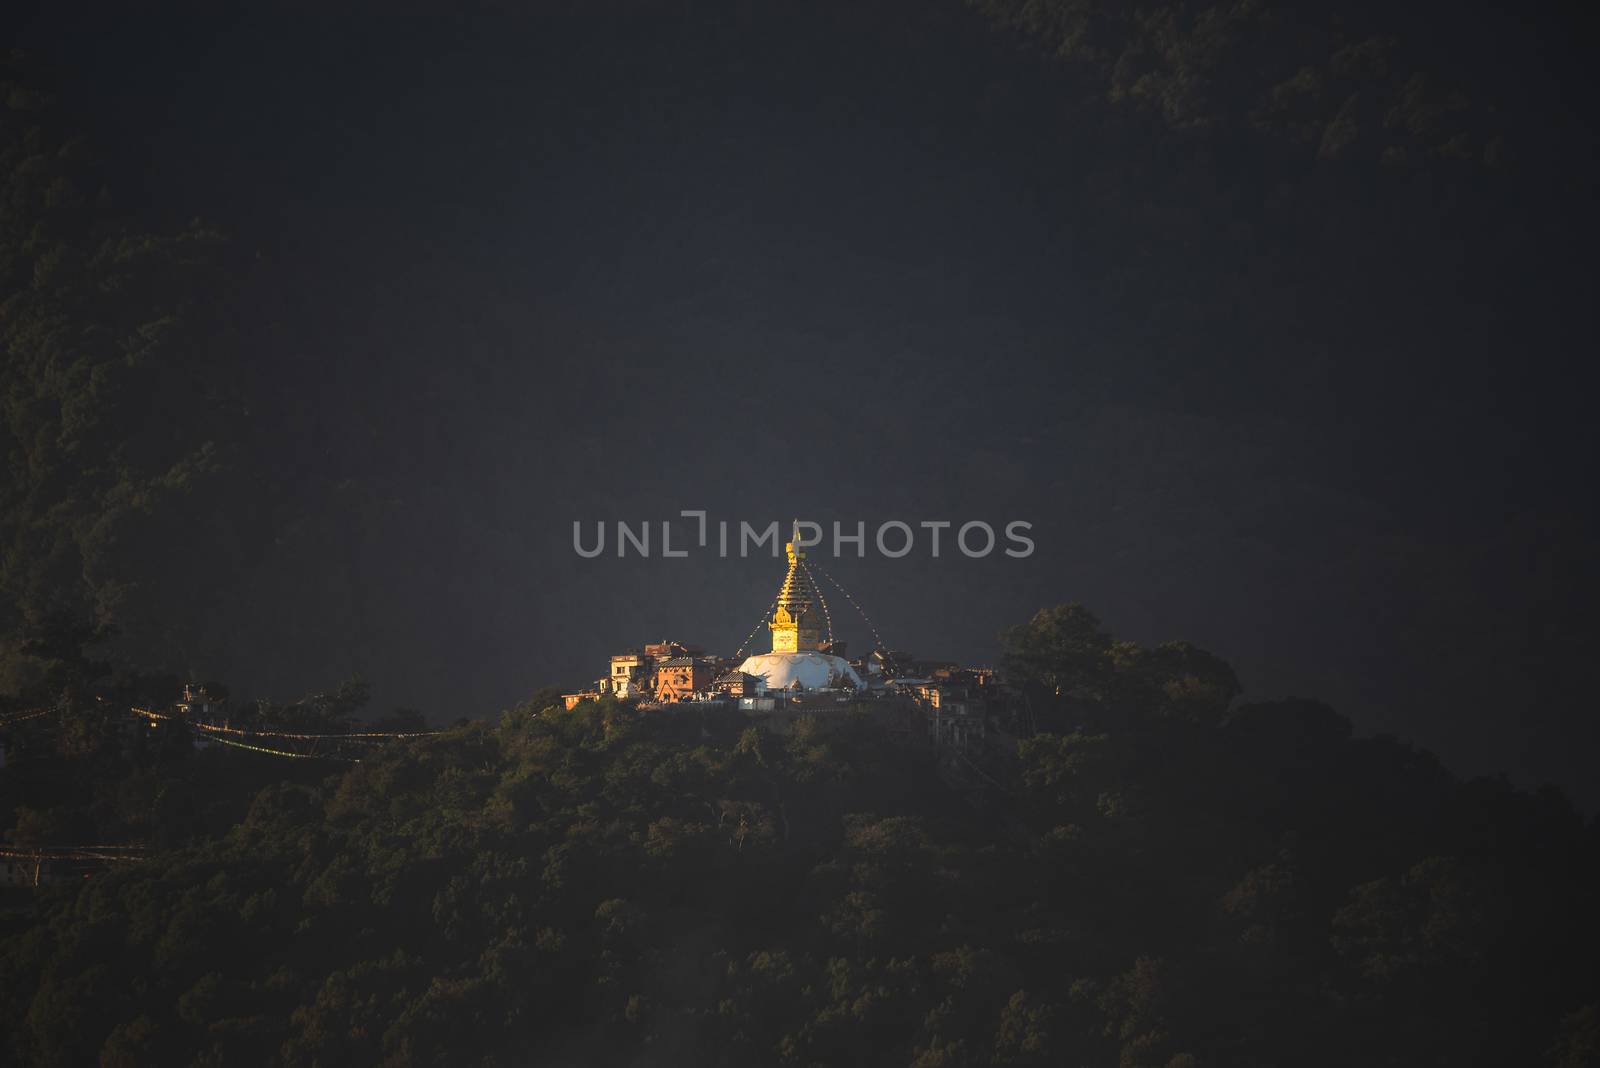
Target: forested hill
{"x":1167,"y":883}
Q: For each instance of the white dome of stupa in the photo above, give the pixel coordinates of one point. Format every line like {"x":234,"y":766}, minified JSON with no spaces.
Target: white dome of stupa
{"x":811,"y":669}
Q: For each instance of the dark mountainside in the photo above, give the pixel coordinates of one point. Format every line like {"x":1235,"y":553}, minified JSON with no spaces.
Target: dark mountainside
{"x":1170,"y":876}
{"x":1164,"y":883}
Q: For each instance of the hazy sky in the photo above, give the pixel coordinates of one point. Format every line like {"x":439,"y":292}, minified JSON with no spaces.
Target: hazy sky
{"x":870,"y":267}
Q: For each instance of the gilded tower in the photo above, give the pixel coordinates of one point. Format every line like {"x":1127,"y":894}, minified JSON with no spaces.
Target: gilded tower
{"x":795,"y":622}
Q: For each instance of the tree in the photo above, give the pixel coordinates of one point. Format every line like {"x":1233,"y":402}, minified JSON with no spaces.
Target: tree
{"x":118,"y":398}
{"x":1063,"y":649}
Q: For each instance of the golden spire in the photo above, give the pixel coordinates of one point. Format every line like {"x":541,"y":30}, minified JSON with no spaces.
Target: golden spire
{"x":794,"y":622}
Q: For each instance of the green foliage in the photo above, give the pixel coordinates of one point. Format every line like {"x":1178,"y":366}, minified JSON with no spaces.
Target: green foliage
{"x":1071,"y":664}
{"x":1330,"y":82}
{"x":320,"y":712}
{"x":1063,"y":649}
{"x":1579,"y":1044}
{"x":118,"y":406}
{"x":603,"y":886}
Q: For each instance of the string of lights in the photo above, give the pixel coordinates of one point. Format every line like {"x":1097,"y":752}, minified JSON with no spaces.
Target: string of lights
{"x":218,"y":733}
{"x":283,"y":752}
{"x":826,"y":615}
{"x":218,"y":728}
{"x":876,"y":637}
{"x":113,"y":853}
{"x":759,"y":624}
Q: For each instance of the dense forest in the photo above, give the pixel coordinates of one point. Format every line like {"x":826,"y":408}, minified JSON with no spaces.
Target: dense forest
{"x":1168,"y":878}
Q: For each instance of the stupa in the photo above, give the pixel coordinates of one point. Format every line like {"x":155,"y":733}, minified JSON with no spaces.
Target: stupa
{"x":797,"y":660}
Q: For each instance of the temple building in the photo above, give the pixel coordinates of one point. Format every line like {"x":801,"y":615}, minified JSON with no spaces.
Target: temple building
{"x":799,"y":637}
{"x":683,"y":678}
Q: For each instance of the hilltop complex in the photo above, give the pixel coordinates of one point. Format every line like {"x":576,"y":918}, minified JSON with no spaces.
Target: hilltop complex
{"x":807,"y":670}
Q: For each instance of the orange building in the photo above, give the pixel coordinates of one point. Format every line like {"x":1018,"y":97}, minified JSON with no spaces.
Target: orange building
{"x":679,"y":678}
